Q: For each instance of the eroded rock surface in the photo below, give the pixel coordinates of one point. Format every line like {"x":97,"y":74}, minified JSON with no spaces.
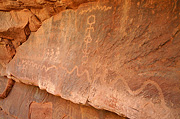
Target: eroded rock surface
{"x":15,"y":26}
{"x":40,"y":110}
{"x":25,"y":101}
{"x":121,"y":56}
{"x":18,"y":18}
{"x":6,"y":86}
{"x":7,"y":5}
{"x":4,"y":115}
{"x":15,"y":29}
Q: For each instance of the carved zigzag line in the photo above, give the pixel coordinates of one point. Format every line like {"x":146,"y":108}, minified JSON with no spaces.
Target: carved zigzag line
{"x":103,"y":8}
{"x":69,"y":72}
{"x":43,"y":67}
{"x":78,"y":73}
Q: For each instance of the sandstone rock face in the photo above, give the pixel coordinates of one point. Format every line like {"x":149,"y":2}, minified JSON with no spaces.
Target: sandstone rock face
{"x":20,"y":17}
{"x":4,"y":115}
{"x":25,"y":101}
{"x":40,"y":110}
{"x":121,"y":56}
{"x":14,"y":31}
{"x":7,"y":51}
{"x":14,"y":26}
{"x":42,"y":9}
{"x":6,"y":86}
{"x":6,"y":5}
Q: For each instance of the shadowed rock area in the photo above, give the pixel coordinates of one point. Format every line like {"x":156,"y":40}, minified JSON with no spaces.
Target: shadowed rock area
{"x":121,"y":56}
{"x":6,"y":86}
{"x":29,"y":102}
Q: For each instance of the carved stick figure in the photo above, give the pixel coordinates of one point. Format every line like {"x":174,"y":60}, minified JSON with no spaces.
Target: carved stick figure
{"x":51,"y":54}
{"x":56,"y":54}
{"x":47,"y":54}
{"x":88,"y":38}
{"x":90,"y":22}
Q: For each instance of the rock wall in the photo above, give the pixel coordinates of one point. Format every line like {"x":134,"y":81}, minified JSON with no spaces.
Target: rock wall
{"x":29,"y":102}
{"x":121,"y":56}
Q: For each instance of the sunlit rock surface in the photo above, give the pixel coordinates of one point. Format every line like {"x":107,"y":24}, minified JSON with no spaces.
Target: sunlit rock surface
{"x":121,"y":56}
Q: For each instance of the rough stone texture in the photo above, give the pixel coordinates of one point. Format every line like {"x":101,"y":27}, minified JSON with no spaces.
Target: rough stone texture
{"x":20,"y":17}
{"x":6,"y":86}
{"x":4,"y":115}
{"x":121,"y":56}
{"x":14,"y":31}
{"x":7,"y":51}
{"x":7,"y":5}
{"x":14,"y":26}
{"x":3,"y":84}
{"x":40,"y":110}
{"x":18,"y":105}
{"x":42,"y":9}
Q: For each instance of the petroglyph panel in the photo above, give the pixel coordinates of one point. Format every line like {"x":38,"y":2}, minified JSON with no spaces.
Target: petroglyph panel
{"x":110,"y":55}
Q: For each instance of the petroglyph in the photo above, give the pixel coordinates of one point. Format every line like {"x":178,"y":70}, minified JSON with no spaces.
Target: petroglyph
{"x":143,"y":86}
{"x":88,"y":39}
{"x":47,"y":85}
{"x":78,"y":72}
{"x":52,"y":54}
{"x":27,"y":63}
{"x":102,"y":8}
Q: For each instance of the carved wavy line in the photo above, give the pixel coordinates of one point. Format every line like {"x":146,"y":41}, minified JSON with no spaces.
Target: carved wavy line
{"x":103,"y":8}
{"x":43,"y":67}
{"x":131,"y":92}
{"x":136,"y":92}
{"x":67,"y":71}
{"x":78,"y":72}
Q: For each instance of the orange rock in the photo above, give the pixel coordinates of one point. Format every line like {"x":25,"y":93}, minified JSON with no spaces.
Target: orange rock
{"x":29,"y":102}
{"x":15,"y":30}
{"x":4,"y":115}
{"x":7,"y":51}
{"x":6,"y":86}
{"x":34,"y":23}
{"x":122,"y":56}
{"x":40,"y":110}
{"x":43,"y":13}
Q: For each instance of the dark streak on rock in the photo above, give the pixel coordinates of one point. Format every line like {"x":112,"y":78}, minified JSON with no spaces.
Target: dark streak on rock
{"x":8,"y":88}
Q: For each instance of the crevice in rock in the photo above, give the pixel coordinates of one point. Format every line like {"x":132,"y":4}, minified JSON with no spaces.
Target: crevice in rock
{"x":46,"y":97}
{"x":7,"y":115}
{"x":8,"y":88}
{"x":27,"y":30}
{"x":88,"y":103}
{"x":9,"y":47}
